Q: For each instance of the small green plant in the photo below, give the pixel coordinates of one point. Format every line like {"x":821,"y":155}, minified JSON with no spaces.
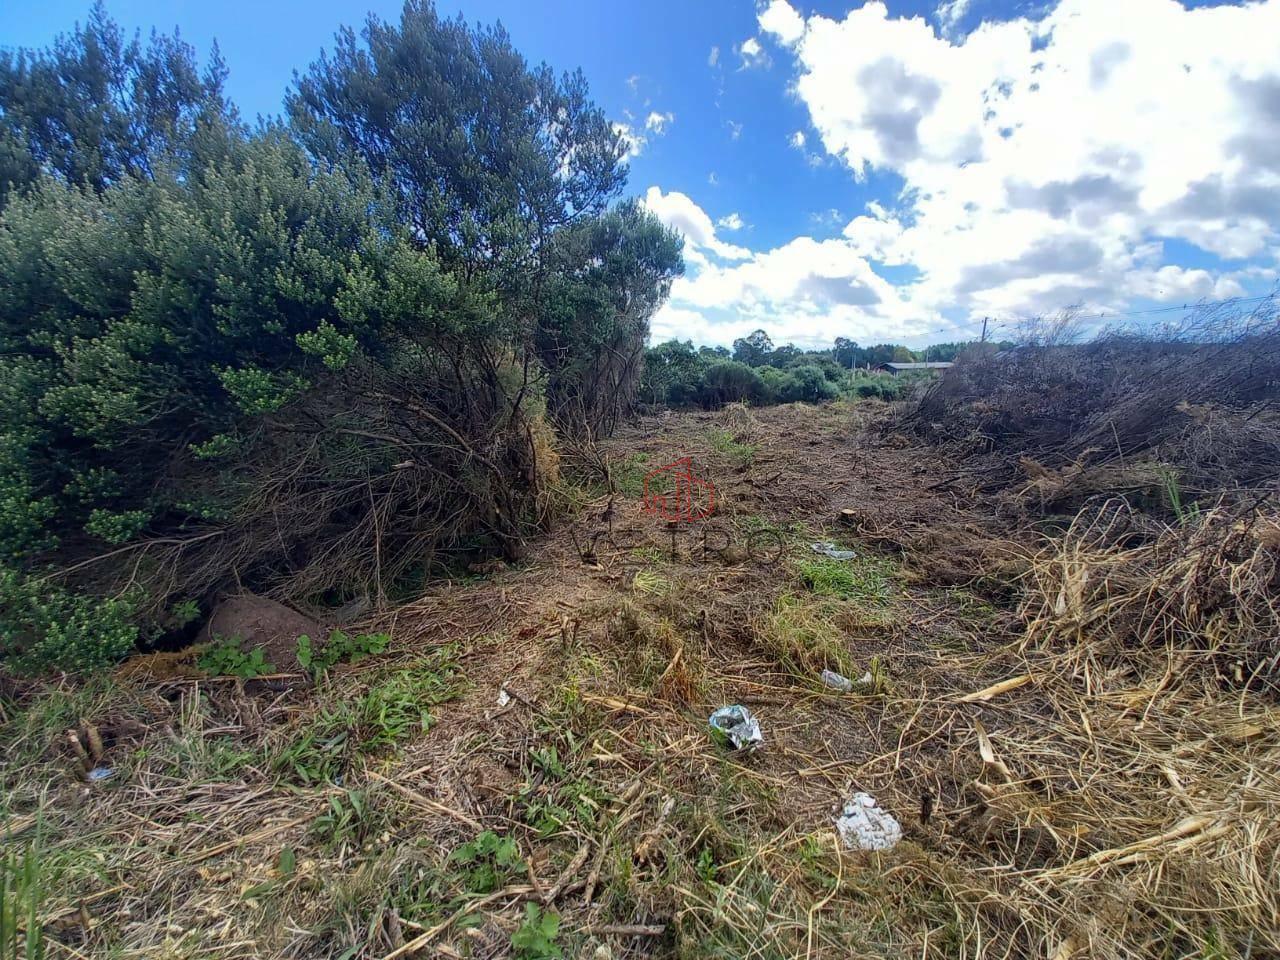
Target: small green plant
{"x":648,"y":555}
{"x":21,"y":894}
{"x":339,"y":648}
{"x":862,"y":578}
{"x":1172,"y":489}
{"x":879,"y":684}
{"x":801,"y":633}
{"x":381,"y":717}
{"x":628,"y":475}
{"x":573,"y":800}
{"x":723,"y":441}
{"x":393,"y":709}
{"x":227,"y":659}
{"x":490,"y":859}
{"x":347,"y":822}
{"x":646,"y":581}
{"x":535,"y":939}
{"x":184,"y":613}
{"x":197,"y":758}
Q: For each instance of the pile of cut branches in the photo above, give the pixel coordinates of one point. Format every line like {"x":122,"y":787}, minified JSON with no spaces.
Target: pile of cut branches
{"x":1184,"y":413}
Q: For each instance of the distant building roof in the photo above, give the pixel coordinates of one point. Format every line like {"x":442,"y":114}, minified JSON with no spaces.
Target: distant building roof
{"x":904,"y":367}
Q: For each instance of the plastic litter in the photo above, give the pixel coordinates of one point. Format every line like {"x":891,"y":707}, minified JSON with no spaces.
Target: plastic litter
{"x":842,"y":683}
{"x":836,"y":681}
{"x":101,"y":773}
{"x":829,"y":549}
{"x":735,"y":727}
{"x":504,"y":698}
{"x":864,"y":826}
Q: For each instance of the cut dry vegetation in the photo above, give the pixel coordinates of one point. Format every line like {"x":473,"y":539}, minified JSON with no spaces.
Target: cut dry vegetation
{"x":1082,"y":744}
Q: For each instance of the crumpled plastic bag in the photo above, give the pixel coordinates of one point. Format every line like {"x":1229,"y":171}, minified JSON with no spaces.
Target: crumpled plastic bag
{"x":829,"y":549}
{"x":864,"y":826}
{"x":838,"y":681}
{"x":735,"y":727}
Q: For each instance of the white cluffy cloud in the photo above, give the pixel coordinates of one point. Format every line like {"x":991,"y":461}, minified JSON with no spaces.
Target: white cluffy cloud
{"x":1048,"y":162}
{"x":950,"y":13}
{"x":678,"y":211}
{"x":780,"y":19}
{"x":632,"y":139}
{"x":807,"y":290}
{"x":1075,"y":159}
{"x":658,"y":122}
{"x":636,"y":135}
{"x":752,"y":54}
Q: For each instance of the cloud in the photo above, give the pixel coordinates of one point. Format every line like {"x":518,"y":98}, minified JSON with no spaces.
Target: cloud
{"x":873,"y":236}
{"x":735,"y":129}
{"x":1043,"y":161}
{"x":807,"y":291}
{"x":949,"y":14}
{"x":797,"y":140}
{"x":752,"y":54}
{"x":678,"y":211}
{"x":781,"y":20}
{"x":827,"y":219}
{"x":657,"y":122}
{"x":634,"y":140}
{"x":713,"y":57}
{"x":637,"y":137}
{"x":1079,"y":156}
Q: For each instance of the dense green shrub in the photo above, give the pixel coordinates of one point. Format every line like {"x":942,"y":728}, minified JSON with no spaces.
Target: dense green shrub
{"x":149,"y":326}
{"x":45,"y":627}
{"x":880,"y":386}
{"x":303,"y":359}
{"x":676,"y":374}
{"x":728,"y":381}
{"x":807,"y":383}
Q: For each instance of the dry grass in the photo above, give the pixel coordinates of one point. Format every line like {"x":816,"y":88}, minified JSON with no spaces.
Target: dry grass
{"x":1081,"y":773}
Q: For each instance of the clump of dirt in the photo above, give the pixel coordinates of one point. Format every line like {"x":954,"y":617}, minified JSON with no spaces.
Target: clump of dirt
{"x":739,"y":421}
{"x":263,"y":623}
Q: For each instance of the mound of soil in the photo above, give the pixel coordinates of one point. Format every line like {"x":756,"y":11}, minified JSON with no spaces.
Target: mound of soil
{"x":260,"y":622}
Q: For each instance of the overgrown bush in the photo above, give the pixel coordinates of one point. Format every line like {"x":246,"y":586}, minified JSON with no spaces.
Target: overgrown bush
{"x":677,"y":375}
{"x":309,"y":360}
{"x":879,"y":386}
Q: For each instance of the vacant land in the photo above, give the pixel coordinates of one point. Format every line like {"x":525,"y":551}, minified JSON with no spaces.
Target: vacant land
{"x":525,"y":769}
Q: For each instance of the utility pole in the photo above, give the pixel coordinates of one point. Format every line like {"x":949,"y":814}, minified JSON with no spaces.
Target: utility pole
{"x":984,"y":329}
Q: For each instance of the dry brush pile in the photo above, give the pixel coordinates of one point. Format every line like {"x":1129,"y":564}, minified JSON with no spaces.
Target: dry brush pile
{"x":1153,"y":463}
{"x":1133,"y":482}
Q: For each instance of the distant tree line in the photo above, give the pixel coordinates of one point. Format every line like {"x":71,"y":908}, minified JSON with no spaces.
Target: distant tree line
{"x":755,"y":371}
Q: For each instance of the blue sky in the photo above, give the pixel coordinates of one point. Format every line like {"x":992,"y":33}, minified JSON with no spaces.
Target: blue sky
{"x":882,"y":171}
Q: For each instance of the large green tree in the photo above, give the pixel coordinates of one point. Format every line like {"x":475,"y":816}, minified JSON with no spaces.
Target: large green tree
{"x":507,"y":171}
{"x":306,"y":358}
{"x":487,"y":155}
{"x":98,"y":107}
